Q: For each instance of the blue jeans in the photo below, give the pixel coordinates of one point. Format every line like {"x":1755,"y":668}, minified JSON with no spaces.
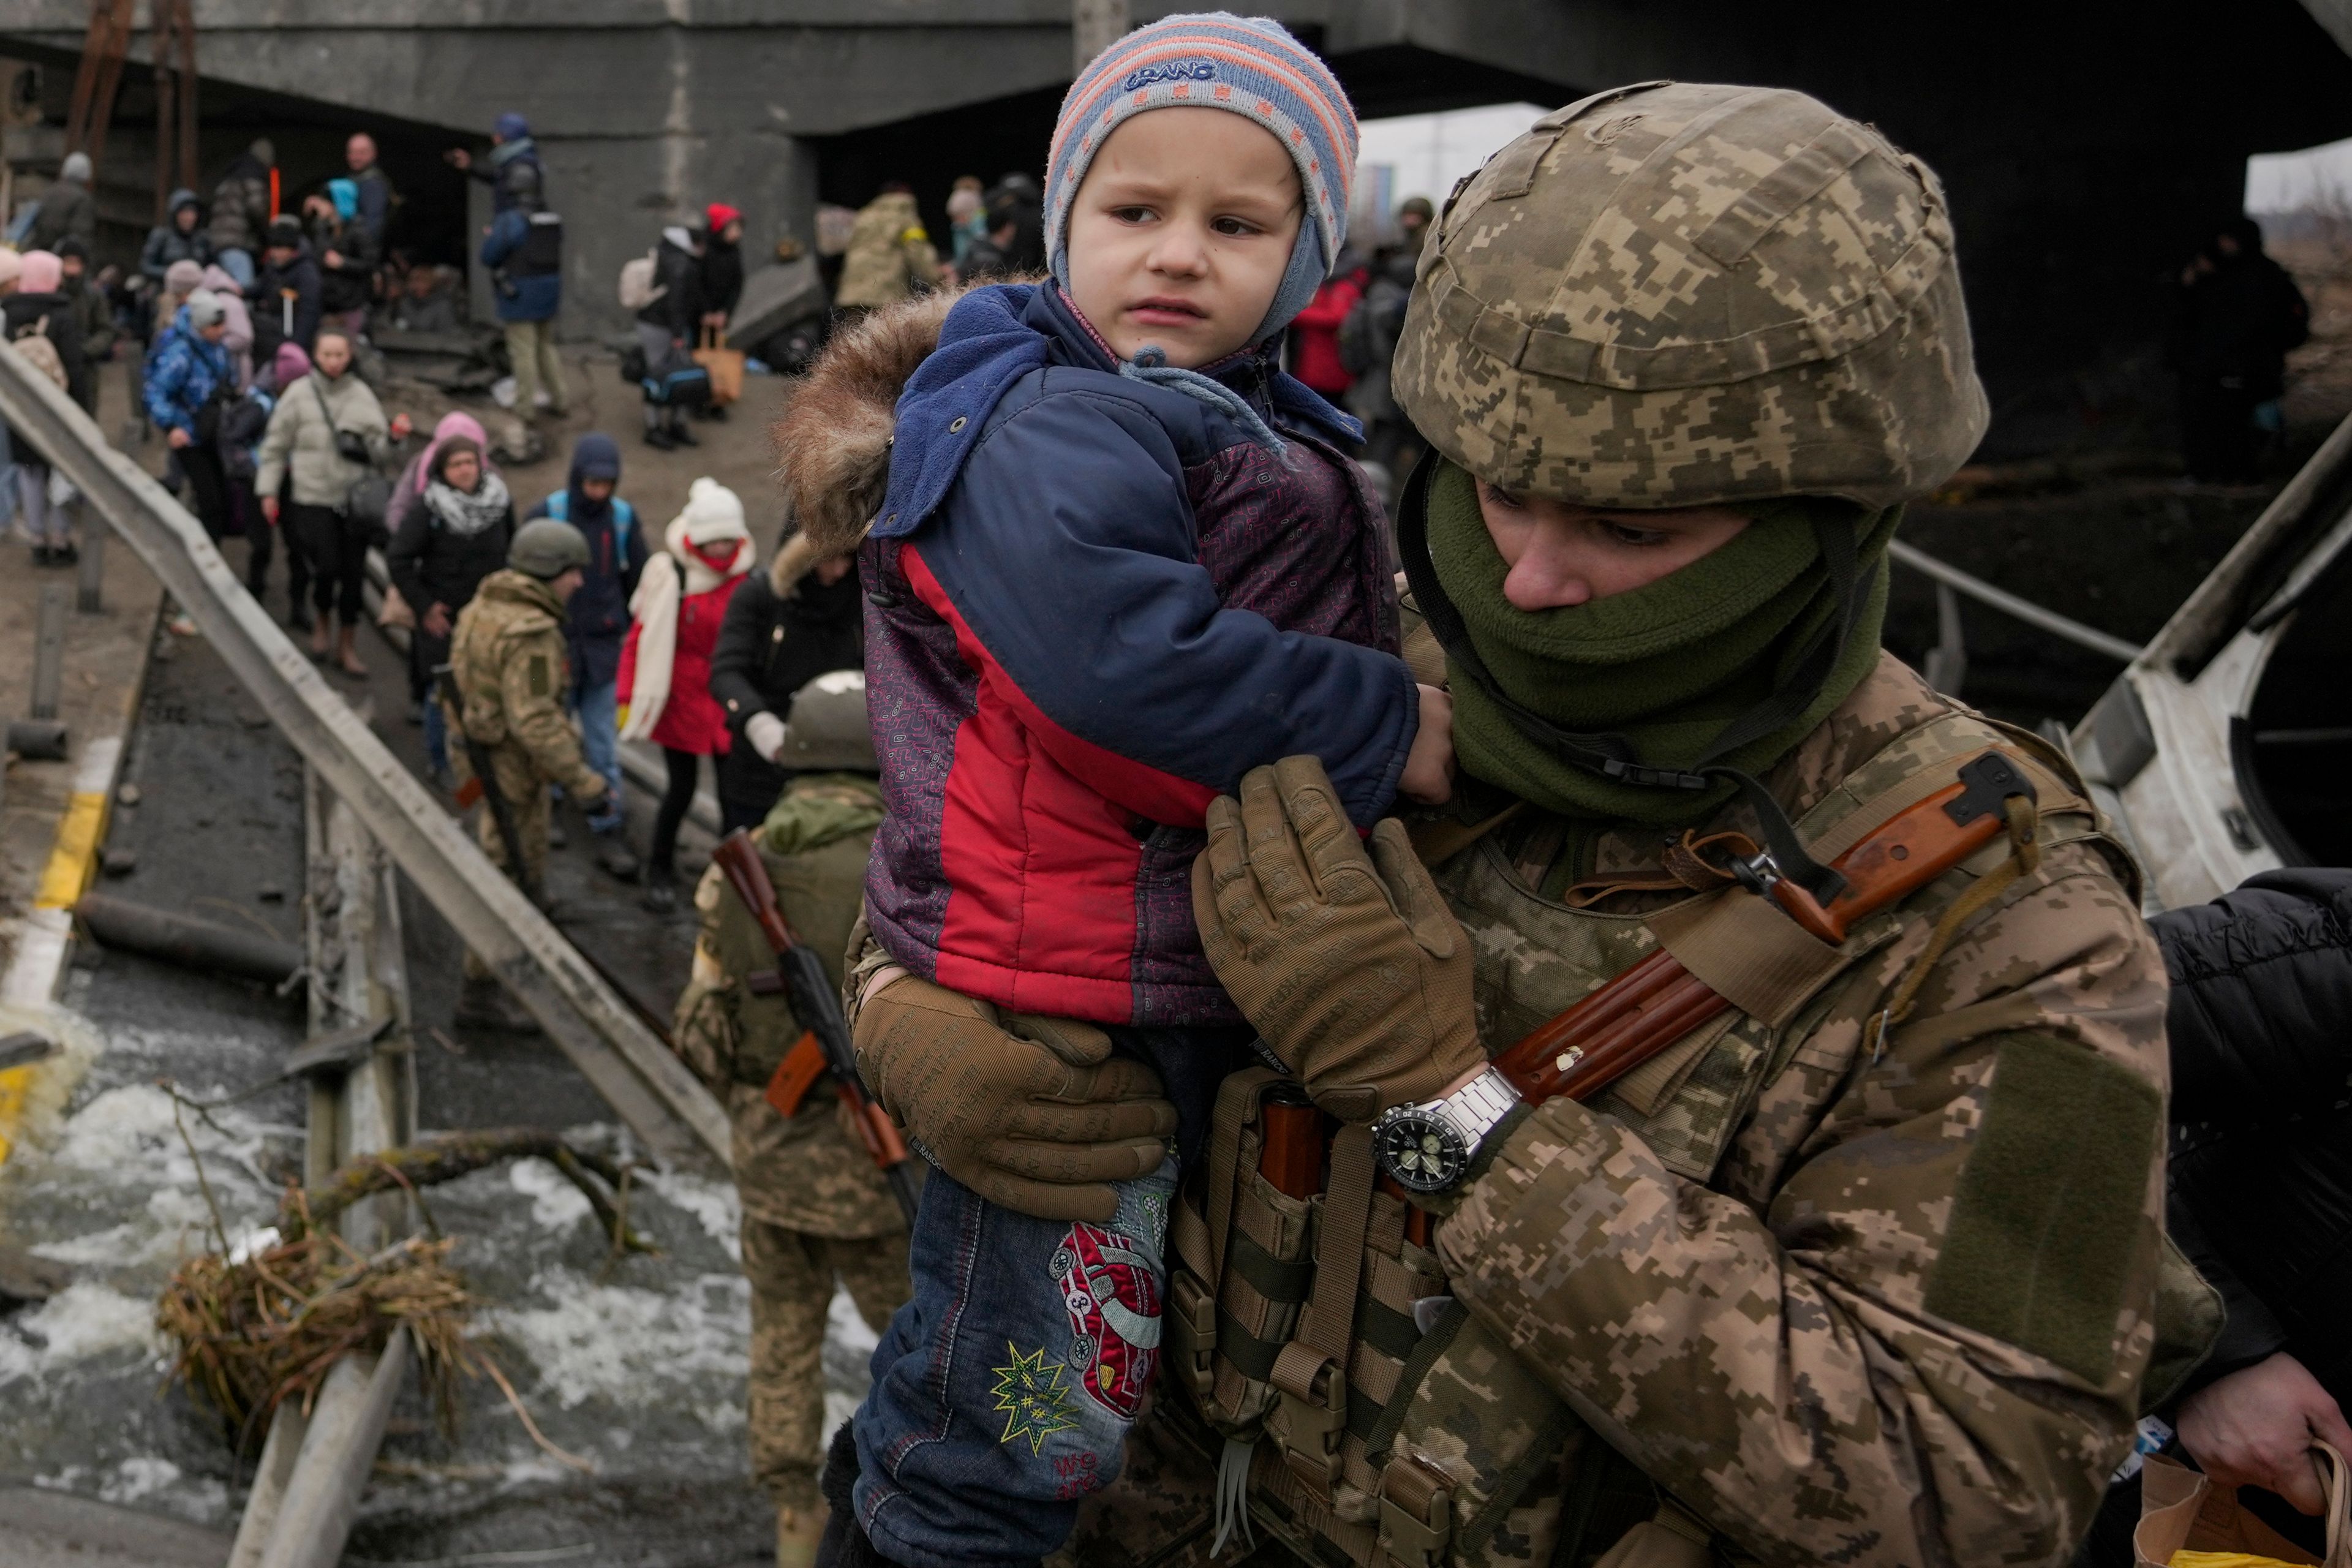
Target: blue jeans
{"x":1003,"y":1390}
{"x":437,"y":733}
{"x":598,"y":709}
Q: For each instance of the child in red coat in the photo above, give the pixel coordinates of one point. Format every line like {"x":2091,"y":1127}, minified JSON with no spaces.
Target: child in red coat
{"x":665,"y":685}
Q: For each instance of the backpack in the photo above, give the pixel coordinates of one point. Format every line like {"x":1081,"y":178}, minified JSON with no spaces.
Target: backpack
{"x":625,"y":518}
{"x":638,"y":288}
{"x":32,"y":340}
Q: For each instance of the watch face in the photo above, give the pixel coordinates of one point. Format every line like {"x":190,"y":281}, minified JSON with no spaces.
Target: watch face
{"x":1422,"y":1153}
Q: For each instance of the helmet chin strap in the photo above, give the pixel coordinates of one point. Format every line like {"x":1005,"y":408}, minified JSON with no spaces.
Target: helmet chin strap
{"x":1614,"y":756}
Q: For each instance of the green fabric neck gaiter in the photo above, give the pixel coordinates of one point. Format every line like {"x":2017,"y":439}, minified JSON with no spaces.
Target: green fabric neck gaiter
{"x":1667,"y":666}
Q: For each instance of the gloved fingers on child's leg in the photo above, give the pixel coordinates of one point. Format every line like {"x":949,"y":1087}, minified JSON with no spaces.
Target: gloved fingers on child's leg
{"x":1081,"y":1043}
{"x":1106,"y":1160}
{"x":1098,"y":1119}
{"x":1095,"y":1203}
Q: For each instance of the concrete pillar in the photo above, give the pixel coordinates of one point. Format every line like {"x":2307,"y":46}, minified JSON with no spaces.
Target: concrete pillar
{"x":615,"y":196}
{"x":1094,"y":26}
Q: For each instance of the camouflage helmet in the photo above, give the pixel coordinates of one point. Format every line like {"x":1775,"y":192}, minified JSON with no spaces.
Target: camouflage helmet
{"x":827,"y":730}
{"x":546,"y":549}
{"x":1675,"y":294}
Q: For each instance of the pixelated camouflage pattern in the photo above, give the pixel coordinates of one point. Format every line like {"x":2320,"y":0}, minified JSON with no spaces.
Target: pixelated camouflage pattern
{"x":792,"y":1273}
{"x":810,"y":1173}
{"x":1684,"y":295}
{"x":1746,"y":1321}
{"x":889,"y":257}
{"x":1727,"y":1289}
{"x":506,"y":653}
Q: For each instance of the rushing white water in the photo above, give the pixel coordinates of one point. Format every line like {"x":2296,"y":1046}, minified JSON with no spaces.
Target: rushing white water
{"x":635,"y":1364}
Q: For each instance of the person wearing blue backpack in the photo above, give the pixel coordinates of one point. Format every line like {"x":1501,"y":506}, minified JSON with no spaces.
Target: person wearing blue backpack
{"x":600,"y":614}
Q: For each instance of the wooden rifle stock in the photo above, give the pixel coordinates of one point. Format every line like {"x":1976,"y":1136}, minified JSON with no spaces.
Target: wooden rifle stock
{"x":1638,"y":1014}
{"x":800,"y":976}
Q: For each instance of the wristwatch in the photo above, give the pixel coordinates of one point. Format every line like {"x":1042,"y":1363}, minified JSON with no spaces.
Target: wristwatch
{"x":1429,"y":1148}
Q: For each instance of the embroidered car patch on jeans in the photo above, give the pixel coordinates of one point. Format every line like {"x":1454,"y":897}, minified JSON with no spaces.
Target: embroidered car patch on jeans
{"x":1111,"y":1291}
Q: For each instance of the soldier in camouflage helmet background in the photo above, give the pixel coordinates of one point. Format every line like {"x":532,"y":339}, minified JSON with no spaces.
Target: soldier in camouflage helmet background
{"x":1870,"y":1268}
{"x":507,"y":655}
{"x":815,"y":1207}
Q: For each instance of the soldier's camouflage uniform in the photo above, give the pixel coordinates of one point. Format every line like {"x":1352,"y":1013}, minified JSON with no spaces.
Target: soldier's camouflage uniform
{"x":506,"y":653}
{"x":1804,"y":1299}
{"x":889,"y":256}
{"x":815,"y":1207}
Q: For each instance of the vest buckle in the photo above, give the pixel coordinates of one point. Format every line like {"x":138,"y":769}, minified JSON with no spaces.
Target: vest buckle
{"x":1310,"y":1415}
{"x":1417,"y":1513}
{"x":1190,"y":1330}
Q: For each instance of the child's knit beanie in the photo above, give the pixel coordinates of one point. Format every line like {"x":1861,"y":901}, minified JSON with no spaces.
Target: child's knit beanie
{"x":1213,"y":59}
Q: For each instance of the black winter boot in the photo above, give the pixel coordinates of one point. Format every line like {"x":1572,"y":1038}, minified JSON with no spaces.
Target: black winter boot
{"x":845,"y":1544}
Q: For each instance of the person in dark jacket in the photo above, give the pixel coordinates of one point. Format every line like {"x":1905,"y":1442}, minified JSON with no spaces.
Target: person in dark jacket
{"x":1017,"y":200}
{"x":244,"y":205}
{"x":181,"y":238}
{"x":372,"y":186}
{"x":515,"y":175}
{"x":721,"y":279}
{"x":2238,"y":314}
{"x":598,"y":619}
{"x":524,"y":251}
{"x":666,"y":327}
{"x":347,"y":255}
{"x":454,"y":537}
{"x":67,"y":210}
{"x":2258,"y":1184}
{"x":93,"y":318}
{"x":286,"y":298}
{"x":785,"y":628}
{"x":39,"y":308}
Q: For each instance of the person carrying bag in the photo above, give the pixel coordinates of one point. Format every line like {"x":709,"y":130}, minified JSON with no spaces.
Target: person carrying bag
{"x":724,"y":364}
{"x":2188,"y":1520}
{"x":329,"y":441}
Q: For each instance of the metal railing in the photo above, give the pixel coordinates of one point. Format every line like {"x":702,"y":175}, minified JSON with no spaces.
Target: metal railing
{"x":676,"y":1118}
{"x":1952,"y":578}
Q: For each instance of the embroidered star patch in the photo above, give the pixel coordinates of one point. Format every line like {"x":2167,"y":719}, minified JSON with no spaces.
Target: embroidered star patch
{"x":1031,"y":1394}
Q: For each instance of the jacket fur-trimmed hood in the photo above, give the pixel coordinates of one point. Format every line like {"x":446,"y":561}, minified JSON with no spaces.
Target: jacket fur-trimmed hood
{"x":833,"y":444}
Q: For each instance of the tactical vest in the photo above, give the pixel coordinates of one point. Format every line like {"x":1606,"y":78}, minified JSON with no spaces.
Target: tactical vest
{"x":1353,"y":1407}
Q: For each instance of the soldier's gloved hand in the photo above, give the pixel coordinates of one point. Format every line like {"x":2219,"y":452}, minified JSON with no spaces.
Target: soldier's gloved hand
{"x":1348,"y":963}
{"x":765,"y":731}
{"x":1032,"y":1113}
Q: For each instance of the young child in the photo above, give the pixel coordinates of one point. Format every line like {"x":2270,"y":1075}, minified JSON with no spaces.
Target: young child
{"x":1119,"y":563}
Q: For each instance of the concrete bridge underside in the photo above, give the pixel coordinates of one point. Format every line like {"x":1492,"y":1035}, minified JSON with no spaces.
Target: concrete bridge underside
{"x":2085,"y":148}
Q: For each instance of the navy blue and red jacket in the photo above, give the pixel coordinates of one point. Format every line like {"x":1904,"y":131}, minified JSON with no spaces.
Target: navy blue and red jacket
{"x":1093,"y":603}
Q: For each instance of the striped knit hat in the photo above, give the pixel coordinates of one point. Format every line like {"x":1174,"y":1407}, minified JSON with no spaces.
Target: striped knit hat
{"x":1214,"y":59}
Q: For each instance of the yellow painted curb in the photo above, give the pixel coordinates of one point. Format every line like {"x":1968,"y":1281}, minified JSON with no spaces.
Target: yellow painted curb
{"x":73,"y":859}
{"x":74,"y":855}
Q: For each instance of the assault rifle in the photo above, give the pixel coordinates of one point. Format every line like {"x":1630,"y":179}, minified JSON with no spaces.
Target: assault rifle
{"x":1657,"y":1002}
{"x":823,"y":1045}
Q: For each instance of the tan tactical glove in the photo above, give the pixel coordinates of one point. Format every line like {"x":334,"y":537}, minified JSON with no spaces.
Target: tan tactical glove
{"x":1029,"y":1112}
{"x":1349,"y":964}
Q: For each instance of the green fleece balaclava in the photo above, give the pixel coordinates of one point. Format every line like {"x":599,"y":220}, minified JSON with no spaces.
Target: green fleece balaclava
{"x":1668,"y":666}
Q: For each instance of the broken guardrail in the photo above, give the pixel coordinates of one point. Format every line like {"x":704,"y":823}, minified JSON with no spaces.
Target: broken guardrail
{"x":649,"y":1089}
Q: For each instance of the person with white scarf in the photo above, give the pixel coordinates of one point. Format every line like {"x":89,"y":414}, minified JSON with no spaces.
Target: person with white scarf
{"x":665,"y":685}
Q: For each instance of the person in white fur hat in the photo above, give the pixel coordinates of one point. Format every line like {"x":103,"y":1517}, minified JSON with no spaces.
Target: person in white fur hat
{"x":664,"y":686}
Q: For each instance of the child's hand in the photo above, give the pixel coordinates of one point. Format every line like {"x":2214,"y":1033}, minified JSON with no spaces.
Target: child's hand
{"x":1428,"y":776}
